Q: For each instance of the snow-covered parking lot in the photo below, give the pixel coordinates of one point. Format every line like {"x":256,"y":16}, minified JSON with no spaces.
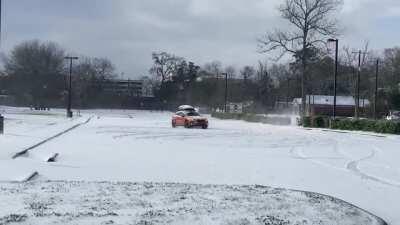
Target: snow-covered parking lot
{"x":141,"y":146}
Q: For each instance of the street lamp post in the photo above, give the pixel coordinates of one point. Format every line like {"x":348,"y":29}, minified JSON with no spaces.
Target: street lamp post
{"x":358,"y":83}
{"x":376,"y":90}
{"x":336,"y":73}
{"x":226,"y":92}
{"x":288,"y":92}
{"x":1,"y":117}
{"x":69,"y":106}
{"x":1,"y":19}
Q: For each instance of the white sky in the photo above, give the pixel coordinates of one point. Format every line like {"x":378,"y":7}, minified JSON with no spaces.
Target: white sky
{"x":128,"y":31}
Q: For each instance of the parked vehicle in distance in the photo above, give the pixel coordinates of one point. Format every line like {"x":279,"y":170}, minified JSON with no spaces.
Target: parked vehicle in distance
{"x":188,"y":117}
{"x":393,"y":115}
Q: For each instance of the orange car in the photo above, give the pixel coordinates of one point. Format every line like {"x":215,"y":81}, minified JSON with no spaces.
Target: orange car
{"x":189,"y":119}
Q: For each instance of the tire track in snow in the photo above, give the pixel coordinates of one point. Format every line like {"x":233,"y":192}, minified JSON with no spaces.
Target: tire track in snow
{"x":299,"y":154}
{"x":353,"y":166}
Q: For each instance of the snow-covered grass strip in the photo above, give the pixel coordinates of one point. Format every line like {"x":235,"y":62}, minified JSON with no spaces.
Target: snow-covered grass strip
{"x":25,"y":151}
{"x":30,"y":177}
{"x":168,"y":203}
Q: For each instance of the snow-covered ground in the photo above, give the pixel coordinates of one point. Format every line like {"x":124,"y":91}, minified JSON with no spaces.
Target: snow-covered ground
{"x":25,"y":128}
{"x":141,"y":146}
{"x":154,"y":203}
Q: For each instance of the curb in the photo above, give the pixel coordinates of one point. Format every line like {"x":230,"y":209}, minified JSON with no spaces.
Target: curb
{"x":379,"y":219}
{"x":25,"y":151}
{"x":30,"y":177}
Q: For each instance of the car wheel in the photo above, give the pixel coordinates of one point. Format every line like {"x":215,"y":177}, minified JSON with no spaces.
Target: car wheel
{"x":173,"y":124}
{"x":187,"y":124}
{"x":204,"y":126}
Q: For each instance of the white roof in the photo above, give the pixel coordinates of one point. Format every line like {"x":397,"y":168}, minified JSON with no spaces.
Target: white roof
{"x":186,"y":107}
{"x":328,"y":100}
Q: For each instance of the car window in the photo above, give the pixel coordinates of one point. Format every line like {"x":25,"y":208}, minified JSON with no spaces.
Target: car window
{"x":192,"y":114}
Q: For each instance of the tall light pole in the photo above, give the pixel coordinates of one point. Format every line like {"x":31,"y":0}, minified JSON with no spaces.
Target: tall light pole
{"x":69,"y":106}
{"x":1,"y":117}
{"x":376,"y":90}
{"x":336,"y":73}
{"x":226,"y":92}
{"x":357,"y":109}
{"x":1,"y":20}
{"x":288,"y":92}
{"x":358,"y":86}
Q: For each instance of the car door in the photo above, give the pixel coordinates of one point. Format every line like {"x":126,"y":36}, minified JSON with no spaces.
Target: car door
{"x":180,"y":119}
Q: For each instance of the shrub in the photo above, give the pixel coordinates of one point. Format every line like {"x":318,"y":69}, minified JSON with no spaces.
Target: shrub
{"x":378,"y":126}
{"x":306,"y":121}
{"x":369,"y":125}
{"x":227,"y":116}
{"x":320,"y":122}
{"x":253,"y":118}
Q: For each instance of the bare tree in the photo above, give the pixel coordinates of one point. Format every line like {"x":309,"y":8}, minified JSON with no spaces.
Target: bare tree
{"x":392,"y":64}
{"x":36,"y":70}
{"x":213,"y":68}
{"x":231,"y":71}
{"x":165,"y":65}
{"x":247,"y":73}
{"x":105,"y":69}
{"x":312,"y":22}
{"x":262,"y":69}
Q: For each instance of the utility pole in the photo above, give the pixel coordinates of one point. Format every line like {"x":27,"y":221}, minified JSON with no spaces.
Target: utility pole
{"x":288,"y":92}
{"x":358,"y":81}
{"x":1,"y":117}
{"x":1,"y":21}
{"x":336,"y":74}
{"x":358,"y":86}
{"x":69,"y":106}
{"x":226,"y":92}
{"x":376,"y":90}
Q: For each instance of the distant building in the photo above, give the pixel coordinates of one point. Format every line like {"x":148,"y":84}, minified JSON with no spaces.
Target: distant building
{"x":147,"y":88}
{"x":239,"y":107}
{"x":323,"y":105}
{"x":127,"y":88}
{"x":123,"y":87}
{"x":235,"y":107}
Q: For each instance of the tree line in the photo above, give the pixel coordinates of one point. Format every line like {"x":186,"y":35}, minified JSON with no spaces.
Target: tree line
{"x":177,"y":81}
{"x":35,"y":73}
{"x":310,"y":24}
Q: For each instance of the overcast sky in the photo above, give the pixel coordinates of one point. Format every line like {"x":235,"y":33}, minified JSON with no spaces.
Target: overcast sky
{"x":128,"y":31}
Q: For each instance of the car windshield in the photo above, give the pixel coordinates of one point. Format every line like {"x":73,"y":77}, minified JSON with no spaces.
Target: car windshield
{"x":192,"y":114}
